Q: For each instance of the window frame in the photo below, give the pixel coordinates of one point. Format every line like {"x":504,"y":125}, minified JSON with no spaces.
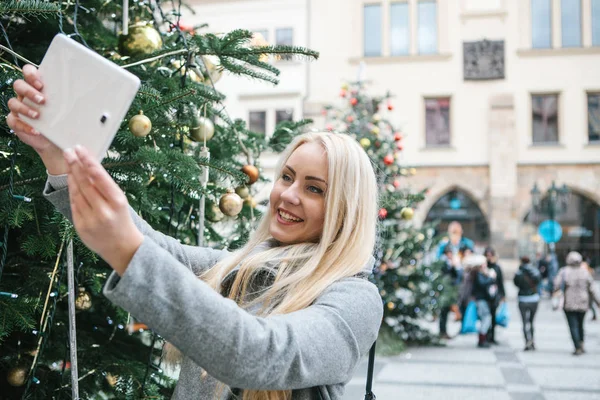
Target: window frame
{"x":587,"y":113}
{"x":551,"y":42}
{"x":437,"y":26}
{"x":562,"y":44}
{"x":256,"y":110}
{"x":559,"y":110}
{"x":381,"y":5}
{"x":409,"y":37}
{"x":450,"y":121}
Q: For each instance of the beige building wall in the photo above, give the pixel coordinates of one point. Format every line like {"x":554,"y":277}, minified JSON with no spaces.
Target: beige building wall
{"x":491,"y":156}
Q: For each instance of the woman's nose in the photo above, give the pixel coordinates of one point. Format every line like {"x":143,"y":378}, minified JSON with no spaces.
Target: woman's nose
{"x":290,"y":194}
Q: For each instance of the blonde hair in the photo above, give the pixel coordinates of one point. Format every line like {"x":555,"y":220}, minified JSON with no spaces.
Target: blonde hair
{"x":305,"y":270}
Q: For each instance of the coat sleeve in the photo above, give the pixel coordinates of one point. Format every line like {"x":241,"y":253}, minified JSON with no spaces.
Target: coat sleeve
{"x":559,"y":279}
{"x":500,"y":282}
{"x":319,"y":345}
{"x":198,"y":259}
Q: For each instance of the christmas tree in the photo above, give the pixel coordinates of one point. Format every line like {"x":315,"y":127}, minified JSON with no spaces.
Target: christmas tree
{"x":186,"y":165}
{"x":410,"y":282}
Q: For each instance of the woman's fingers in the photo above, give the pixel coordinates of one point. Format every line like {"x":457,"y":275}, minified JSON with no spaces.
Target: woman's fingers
{"x":19,"y":126}
{"x":86,"y":178}
{"x":81,"y":204}
{"x":25,"y":90}
{"x":19,"y":107}
{"x":103,"y":182}
{"x":32,"y":76}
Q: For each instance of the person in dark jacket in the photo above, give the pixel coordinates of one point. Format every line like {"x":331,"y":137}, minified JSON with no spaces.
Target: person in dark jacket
{"x":527,"y":279}
{"x":451,"y":270}
{"x":484,"y":281}
{"x":492,"y":263}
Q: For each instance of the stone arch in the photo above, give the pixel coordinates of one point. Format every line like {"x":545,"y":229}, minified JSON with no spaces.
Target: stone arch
{"x":581,"y":230}
{"x":436,"y":192}
{"x":458,"y":204}
{"x":525,"y":207}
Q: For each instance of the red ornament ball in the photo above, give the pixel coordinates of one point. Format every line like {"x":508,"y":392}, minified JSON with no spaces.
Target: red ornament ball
{"x":382,"y":213}
{"x":329,"y":127}
{"x":397,"y":136}
{"x":350,"y":118}
{"x":388,"y":160}
{"x":377,"y":144}
{"x":323,"y":112}
{"x":343,"y":93}
{"x":354,"y":101}
{"x":400,"y":146}
{"x":390,"y":106}
{"x":396,"y":183}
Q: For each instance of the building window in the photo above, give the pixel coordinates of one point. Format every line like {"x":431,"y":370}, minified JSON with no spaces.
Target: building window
{"x":541,"y":25}
{"x":372,"y":34}
{"x":258,"y":121}
{"x":284,"y":37}
{"x":595,"y":22}
{"x":594,"y":117}
{"x":570,"y":23}
{"x":284,"y":115}
{"x":544,"y":110}
{"x":399,"y":29}
{"x":437,"y":122}
{"x":427,"y":27}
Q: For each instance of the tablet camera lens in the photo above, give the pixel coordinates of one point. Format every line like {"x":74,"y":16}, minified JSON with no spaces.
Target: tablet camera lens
{"x":103,"y":119}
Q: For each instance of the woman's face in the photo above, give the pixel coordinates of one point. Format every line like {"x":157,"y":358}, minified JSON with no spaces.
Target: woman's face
{"x":297,"y":200}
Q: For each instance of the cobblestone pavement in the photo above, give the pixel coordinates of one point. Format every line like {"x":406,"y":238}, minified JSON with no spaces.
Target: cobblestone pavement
{"x":505,"y":372}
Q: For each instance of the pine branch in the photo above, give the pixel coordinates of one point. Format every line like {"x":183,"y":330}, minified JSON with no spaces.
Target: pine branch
{"x":37,"y":8}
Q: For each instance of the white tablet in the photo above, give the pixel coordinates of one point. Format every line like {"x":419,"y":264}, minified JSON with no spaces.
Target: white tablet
{"x":87,"y":97}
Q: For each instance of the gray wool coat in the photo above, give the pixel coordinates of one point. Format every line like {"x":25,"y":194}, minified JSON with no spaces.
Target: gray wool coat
{"x":314,"y":349}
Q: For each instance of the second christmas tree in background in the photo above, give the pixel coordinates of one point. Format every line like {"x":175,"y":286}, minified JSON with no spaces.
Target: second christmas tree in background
{"x":410,"y":282}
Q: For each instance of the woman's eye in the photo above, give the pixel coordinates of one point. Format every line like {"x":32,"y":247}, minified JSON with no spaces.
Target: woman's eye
{"x":315,"y":189}
{"x":286,"y":177}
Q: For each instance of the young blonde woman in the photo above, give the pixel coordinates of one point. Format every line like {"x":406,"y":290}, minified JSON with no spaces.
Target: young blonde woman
{"x":288,"y":316}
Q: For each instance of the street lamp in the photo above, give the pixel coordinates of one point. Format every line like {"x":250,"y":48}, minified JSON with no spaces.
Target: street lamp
{"x":554,"y":203}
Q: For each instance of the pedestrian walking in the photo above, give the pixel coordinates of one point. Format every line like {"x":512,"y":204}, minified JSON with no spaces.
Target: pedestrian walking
{"x":484,"y":288}
{"x":527,"y":279}
{"x":498,"y":299}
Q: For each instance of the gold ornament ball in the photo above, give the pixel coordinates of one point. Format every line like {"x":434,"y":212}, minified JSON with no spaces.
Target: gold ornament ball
{"x":391,"y":305}
{"x":376,"y":117}
{"x":142,"y":39}
{"x":420,"y":237}
{"x":17,"y":376}
{"x":230,"y":203}
{"x":375,"y":130}
{"x":403,"y":171}
{"x":365,"y":143}
{"x":214,"y":214}
{"x":407,"y":213}
{"x":242,"y":191}
{"x":83,"y":301}
{"x":250,"y":202}
{"x":140,"y":125}
{"x":412,"y":171}
{"x":252,"y":173}
{"x":203,"y":129}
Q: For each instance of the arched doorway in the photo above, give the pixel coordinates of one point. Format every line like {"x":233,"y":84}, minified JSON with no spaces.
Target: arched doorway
{"x":457,"y":205}
{"x":580,"y":223}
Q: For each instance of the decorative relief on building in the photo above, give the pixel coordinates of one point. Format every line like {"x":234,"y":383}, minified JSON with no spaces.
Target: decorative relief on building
{"x":483,"y":60}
